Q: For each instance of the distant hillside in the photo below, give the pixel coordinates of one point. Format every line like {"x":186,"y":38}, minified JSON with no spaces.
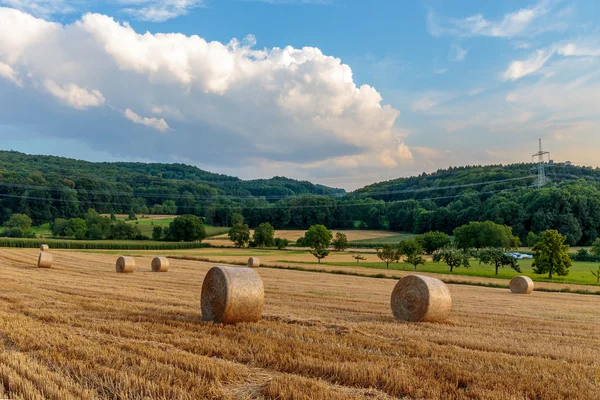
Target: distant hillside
{"x":46,"y":187}
{"x":444,"y":184}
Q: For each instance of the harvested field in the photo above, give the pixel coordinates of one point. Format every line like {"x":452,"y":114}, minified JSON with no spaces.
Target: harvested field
{"x":82,"y":331}
{"x":294,"y":235}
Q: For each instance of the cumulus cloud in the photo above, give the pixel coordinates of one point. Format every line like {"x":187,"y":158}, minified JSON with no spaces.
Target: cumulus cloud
{"x":520,"y":69}
{"x":73,"y":95}
{"x":158,"y":10}
{"x":288,"y":105}
{"x":517,"y":23}
{"x":158,"y":124}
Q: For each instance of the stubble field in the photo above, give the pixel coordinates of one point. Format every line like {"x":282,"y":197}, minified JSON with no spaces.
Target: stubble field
{"x":82,"y":331}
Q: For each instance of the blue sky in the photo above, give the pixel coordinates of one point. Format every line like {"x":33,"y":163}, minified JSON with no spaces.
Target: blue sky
{"x":342,"y":92}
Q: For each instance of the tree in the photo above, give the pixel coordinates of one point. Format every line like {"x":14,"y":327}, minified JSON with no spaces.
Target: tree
{"x":169,"y":207}
{"x":263,"y":235}
{"x":60,"y":227}
{"x":412,"y":251}
{"x":453,"y":257}
{"x":78,"y":228}
{"x":551,"y":254}
{"x":387,"y":254}
{"x":596,"y":247}
{"x":498,"y":258}
{"x":113,"y":217}
{"x":239,"y":234}
{"x":320,"y":253}
{"x":237,"y":218}
{"x":358,"y":257}
{"x":479,"y":235}
{"x":281,"y":243}
{"x":132,"y":216}
{"x":596,"y":274}
{"x":157,"y":232}
{"x":340,"y":243}
{"x":187,"y":228}
{"x":318,"y":238}
{"x":21,"y":221}
{"x":414,"y":260}
{"x":433,"y":241}
{"x":121,"y":230}
{"x":532,"y":239}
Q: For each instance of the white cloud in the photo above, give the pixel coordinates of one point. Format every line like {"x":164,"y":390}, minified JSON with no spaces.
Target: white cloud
{"x":520,"y":69}
{"x":40,"y":8}
{"x":290,"y":105}
{"x":73,"y":95}
{"x":7,"y":72}
{"x":572,"y":49}
{"x":158,"y":124}
{"x":517,"y":23}
{"x":457,"y":53}
{"x":159,"y":10}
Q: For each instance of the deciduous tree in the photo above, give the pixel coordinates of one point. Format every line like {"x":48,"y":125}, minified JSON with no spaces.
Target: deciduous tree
{"x":340,"y":242}
{"x":551,"y":254}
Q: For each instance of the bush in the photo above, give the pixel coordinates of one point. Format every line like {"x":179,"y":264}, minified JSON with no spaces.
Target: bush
{"x":281,"y":243}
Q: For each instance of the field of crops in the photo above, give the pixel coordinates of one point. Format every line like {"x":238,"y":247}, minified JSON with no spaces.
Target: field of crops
{"x":81,"y":331}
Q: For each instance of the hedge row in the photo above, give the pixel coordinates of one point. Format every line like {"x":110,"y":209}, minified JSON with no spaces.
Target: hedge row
{"x":100,"y":244}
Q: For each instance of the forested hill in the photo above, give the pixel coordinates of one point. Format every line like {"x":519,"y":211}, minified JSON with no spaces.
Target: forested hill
{"x":46,"y":188}
{"x":445,"y":184}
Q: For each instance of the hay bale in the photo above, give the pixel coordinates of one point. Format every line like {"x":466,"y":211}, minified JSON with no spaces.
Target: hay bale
{"x":253,"y":262}
{"x":125,"y":265}
{"x":44,"y":247}
{"x":521,"y":285}
{"x":160,"y":264}
{"x":418,"y":298}
{"x":231,"y":295}
{"x":45,"y":260}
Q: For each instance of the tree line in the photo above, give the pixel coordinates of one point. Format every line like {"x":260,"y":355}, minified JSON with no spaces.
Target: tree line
{"x":46,"y":188}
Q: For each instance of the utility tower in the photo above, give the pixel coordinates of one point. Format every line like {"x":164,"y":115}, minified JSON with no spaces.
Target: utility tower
{"x":541,"y":165}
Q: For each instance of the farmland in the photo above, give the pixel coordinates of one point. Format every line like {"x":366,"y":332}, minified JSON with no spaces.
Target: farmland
{"x":82,"y":331}
{"x":354,"y":236}
{"x":579,"y":272}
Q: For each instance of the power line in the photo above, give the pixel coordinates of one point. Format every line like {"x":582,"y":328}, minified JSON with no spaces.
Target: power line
{"x":269,"y":197}
{"x":275,"y":207}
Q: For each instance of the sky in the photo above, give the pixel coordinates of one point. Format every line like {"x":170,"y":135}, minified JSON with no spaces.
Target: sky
{"x":338,"y":92}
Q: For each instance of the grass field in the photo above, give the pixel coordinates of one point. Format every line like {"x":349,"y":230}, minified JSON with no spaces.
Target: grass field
{"x":80,"y":331}
{"x":393,"y":238}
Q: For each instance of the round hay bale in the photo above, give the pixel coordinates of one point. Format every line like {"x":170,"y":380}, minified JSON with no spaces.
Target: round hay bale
{"x":45,"y":260}
{"x":418,"y":298}
{"x":125,"y":265}
{"x":231,"y":295}
{"x":44,"y":247}
{"x":253,"y":262}
{"x":521,"y":285}
{"x":160,"y":264}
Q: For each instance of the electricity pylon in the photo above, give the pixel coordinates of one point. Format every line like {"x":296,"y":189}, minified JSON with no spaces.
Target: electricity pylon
{"x":541,"y":165}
